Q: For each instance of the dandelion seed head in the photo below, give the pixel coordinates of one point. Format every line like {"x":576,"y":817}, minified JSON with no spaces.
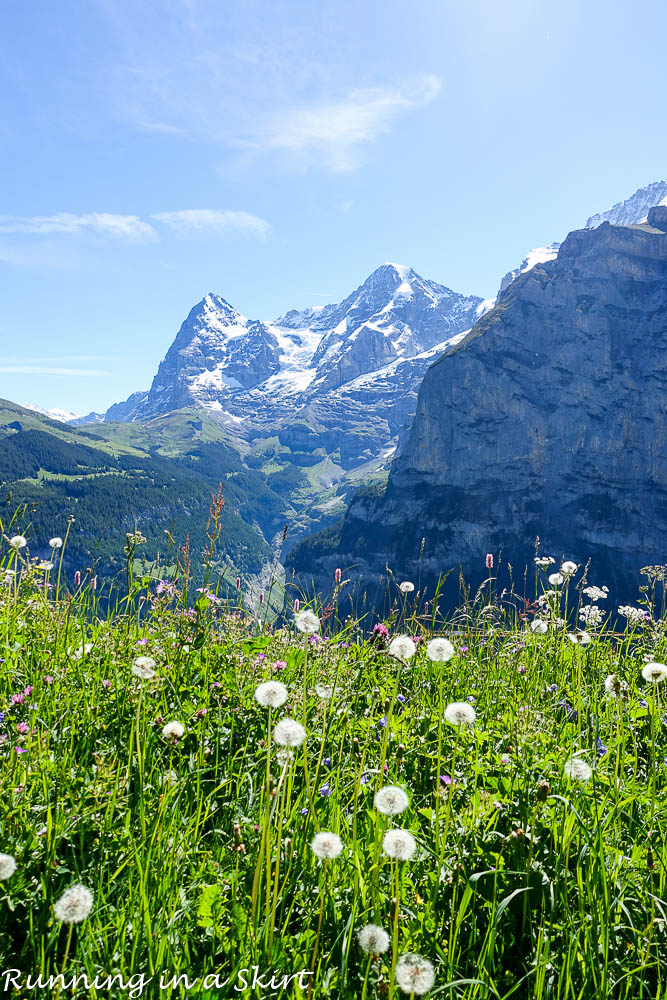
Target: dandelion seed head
{"x":569,"y":568}
{"x":373,"y":939}
{"x":55,"y":543}
{"x":655,"y":673}
{"x":7,"y":866}
{"x":324,"y":691}
{"x":403,"y":647}
{"x":539,"y":626}
{"x":577,"y":770}
{"x":406,"y":587}
{"x":144,"y":668}
{"x":399,"y":844}
{"x":173,"y":730}
{"x":555,"y":579}
{"x":74,"y":905}
{"x":326,"y":845}
{"x":439,"y":650}
{"x":307,"y":622}
{"x":460,"y":713}
{"x":271,"y":694}
{"x":414,"y":974}
{"x":18,"y":542}
{"x":289,"y":733}
{"x":391,"y":800}
{"x":579,"y":638}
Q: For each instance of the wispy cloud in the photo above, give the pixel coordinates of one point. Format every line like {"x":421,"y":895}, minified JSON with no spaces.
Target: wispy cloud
{"x":334,"y":132}
{"x":200,"y":220}
{"x":127,"y":227}
{"x":39,"y":370}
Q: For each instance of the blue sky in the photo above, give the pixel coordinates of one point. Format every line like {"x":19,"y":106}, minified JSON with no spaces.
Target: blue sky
{"x":277,"y":152}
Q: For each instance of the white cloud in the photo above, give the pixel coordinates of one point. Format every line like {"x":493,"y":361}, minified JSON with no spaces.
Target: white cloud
{"x":39,"y":370}
{"x":199,"y":220}
{"x":129,"y":227}
{"x":333,"y":132}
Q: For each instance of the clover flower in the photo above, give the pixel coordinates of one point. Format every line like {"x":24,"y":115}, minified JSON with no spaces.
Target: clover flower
{"x":144,"y":668}
{"x":271,"y":694}
{"x":326,"y":845}
{"x":289,"y":733}
{"x":439,"y":650}
{"x":399,"y":844}
{"x":414,"y":974}
{"x":173,"y":730}
{"x":391,"y":800}
{"x":307,"y":622}
{"x":460,"y":713}
{"x":403,"y":647}
{"x":373,"y":940}
{"x":654,"y":672}
{"x":7,"y":866}
{"x":74,"y":905}
{"x":577,"y":770}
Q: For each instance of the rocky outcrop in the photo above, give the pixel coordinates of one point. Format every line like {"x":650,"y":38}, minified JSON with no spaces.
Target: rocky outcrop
{"x":549,"y":419}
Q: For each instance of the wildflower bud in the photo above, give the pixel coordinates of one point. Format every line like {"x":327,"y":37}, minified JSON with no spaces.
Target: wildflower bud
{"x":395,"y":910}
{"x":401,"y":750}
{"x":241,"y":849}
{"x":93,"y":583}
{"x":338,"y":575}
{"x":543,"y":790}
{"x":489,"y":561}
{"x":518,"y":834}
{"x":387,"y":703}
{"x":238,"y":582}
{"x":237,"y":833}
{"x":261,"y":598}
{"x":296,"y":604}
{"x":77,"y":578}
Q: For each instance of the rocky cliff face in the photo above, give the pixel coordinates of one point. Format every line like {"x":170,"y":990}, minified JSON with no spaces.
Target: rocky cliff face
{"x":548,"y":418}
{"x":344,"y":377}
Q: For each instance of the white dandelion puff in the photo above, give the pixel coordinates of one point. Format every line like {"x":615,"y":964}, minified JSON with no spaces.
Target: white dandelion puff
{"x":324,"y":691}
{"x":414,"y":974}
{"x":539,"y":626}
{"x":289,"y":733}
{"x":439,"y":650}
{"x":55,"y":543}
{"x":18,"y":542}
{"x":173,"y":730}
{"x":655,"y":673}
{"x":399,"y":844}
{"x":613,"y":685}
{"x":373,"y":939}
{"x":307,"y":622}
{"x":556,"y":579}
{"x":271,"y":694}
{"x":569,"y":568}
{"x":144,"y":668}
{"x":82,"y":651}
{"x":326,"y":845}
{"x":403,"y":647}
{"x":577,"y":770}
{"x":74,"y":905}
{"x":406,"y":587}
{"x":7,"y":866}
{"x":460,"y":713}
{"x":579,"y":638}
{"x":391,"y":800}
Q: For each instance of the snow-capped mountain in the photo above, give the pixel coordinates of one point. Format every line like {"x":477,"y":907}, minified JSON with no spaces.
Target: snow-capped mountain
{"x":631,"y":212}
{"x":62,"y":416}
{"x":350,"y":369}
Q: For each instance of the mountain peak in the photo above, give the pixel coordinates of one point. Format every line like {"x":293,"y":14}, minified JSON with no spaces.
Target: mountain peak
{"x":634,"y":209}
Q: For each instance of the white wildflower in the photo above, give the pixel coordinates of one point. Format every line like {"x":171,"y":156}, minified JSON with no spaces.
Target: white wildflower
{"x":439,"y":650}
{"x":596,"y":593}
{"x":460,"y":713}
{"x":289,"y":733}
{"x":557,"y":623}
{"x":326,"y":845}
{"x":46,"y":567}
{"x":569,"y":568}
{"x":307,"y":621}
{"x":539,"y":625}
{"x":55,"y":543}
{"x":18,"y":542}
{"x":399,"y":844}
{"x":271,"y":694}
{"x":654,"y":672}
{"x":373,"y":940}
{"x":391,"y":800}
{"x":7,"y":866}
{"x":284,"y":756}
{"x":414,"y":974}
{"x":613,"y":685}
{"x":403,"y":647}
{"x":635,"y":616}
{"x":577,"y":769}
{"x":144,"y":668}
{"x":324,"y":691}
{"x":173,"y":730}
{"x":82,"y":651}
{"x":591,"y":615}
{"x":579,"y":638}
{"x":556,"y":579}
{"x":544,"y":561}
{"x":406,"y":587}
{"x":74,"y":905}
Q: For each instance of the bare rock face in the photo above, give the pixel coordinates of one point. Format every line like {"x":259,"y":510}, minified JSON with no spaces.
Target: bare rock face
{"x":549,"y":418}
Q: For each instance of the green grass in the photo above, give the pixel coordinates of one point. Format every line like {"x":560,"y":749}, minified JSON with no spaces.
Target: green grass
{"x":524,"y":884}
